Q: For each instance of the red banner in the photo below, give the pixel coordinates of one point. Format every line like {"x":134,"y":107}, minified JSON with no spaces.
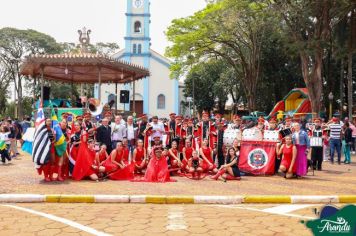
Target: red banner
{"x":257,"y":157}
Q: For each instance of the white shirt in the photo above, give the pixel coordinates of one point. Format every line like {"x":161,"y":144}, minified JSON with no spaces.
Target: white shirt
{"x":130,"y":132}
{"x":5,"y":137}
{"x":159,"y":126}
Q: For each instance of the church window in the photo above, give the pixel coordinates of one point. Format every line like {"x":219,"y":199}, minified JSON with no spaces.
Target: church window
{"x":139,"y":49}
{"x":137,"y":27}
{"x":134,"y":48}
{"x":161,"y":102}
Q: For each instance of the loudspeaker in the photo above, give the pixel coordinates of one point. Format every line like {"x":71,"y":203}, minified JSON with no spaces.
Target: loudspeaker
{"x":46,"y":93}
{"x":124,"y":96}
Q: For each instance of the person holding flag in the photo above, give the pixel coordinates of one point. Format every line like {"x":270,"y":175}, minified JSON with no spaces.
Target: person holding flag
{"x":60,"y":146}
{"x":41,"y":146}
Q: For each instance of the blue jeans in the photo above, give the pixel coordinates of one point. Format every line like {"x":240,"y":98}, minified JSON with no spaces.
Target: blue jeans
{"x":335,"y":144}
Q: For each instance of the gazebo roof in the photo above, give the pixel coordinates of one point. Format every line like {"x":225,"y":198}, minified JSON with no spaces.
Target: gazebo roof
{"x":82,"y":68}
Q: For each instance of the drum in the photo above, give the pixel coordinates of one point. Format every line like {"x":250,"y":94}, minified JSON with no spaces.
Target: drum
{"x":252,"y":134}
{"x":271,"y":135}
{"x":316,"y":142}
{"x":285,"y":132}
{"x":230,"y":135}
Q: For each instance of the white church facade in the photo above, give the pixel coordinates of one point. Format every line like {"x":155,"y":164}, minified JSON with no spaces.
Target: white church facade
{"x":154,"y":95}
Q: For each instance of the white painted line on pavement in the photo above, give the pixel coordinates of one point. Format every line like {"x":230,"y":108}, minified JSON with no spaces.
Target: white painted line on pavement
{"x":286,"y":208}
{"x":62,"y":220}
{"x":176,"y":218}
{"x":259,"y":210}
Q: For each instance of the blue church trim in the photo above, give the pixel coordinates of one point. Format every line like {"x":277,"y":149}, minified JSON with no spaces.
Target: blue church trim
{"x":137,"y":38}
{"x":160,"y":61}
{"x":137,"y":14}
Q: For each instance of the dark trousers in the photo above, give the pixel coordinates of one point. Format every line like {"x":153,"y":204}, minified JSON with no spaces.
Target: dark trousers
{"x":353,"y":139}
{"x":335,"y":144}
{"x":277,"y":163}
{"x":4,"y":155}
{"x":317,"y":157}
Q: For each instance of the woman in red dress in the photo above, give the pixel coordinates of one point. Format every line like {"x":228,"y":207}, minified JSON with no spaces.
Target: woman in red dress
{"x":85,"y":160}
{"x":157,"y":169}
{"x":100,"y":157}
{"x":187,"y":154}
{"x":289,"y":154}
{"x":207,"y":155}
{"x":230,"y":170}
{"x":139,"y":157}
{"x":174,"y":159}
{"x":115,"y":166}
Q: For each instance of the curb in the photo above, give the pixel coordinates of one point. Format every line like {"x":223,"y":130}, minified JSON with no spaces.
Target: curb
{"x":178,"y":199}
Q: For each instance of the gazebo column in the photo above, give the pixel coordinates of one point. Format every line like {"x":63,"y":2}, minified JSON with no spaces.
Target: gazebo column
{"x":133,"y":95}
{"x":99,"y":85}
{"x":42,"y":81}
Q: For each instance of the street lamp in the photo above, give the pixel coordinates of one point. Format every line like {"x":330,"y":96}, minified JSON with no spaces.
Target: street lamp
{"x":331,"y":98}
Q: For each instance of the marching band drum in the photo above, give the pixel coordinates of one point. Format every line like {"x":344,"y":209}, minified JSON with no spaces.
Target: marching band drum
{"x":271,"y":135}
{"x":230,"y":135}
{"x":252,"y":134}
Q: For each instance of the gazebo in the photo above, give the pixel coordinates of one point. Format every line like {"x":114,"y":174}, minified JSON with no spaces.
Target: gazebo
{"x":82,"y":67}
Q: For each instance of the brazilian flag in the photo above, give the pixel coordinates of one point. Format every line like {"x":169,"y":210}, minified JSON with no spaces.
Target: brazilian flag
{"x":2,"y":145}
{"x":60,"y":144}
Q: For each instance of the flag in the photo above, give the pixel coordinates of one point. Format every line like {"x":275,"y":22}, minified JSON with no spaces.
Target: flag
{"x":2,"y":145}
{"x":257,"y":157}
{"x":60,"y":143}
{"x":41,"y":142}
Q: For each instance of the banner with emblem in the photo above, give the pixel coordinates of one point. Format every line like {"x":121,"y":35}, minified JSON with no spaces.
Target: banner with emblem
{"x":257,"y":157}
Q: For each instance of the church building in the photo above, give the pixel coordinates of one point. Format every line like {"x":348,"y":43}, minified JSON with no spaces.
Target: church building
{"x":154,"y":95}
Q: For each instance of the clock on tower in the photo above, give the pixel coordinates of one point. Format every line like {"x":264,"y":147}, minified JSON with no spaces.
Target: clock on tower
{"x":138,"y":3}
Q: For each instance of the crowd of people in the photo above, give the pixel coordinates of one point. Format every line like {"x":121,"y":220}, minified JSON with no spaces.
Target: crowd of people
{"x":155,"y":149}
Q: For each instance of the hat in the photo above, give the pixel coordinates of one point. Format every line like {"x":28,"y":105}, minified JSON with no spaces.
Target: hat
{"x":273,"y":120}
{"x":143,"y":116}
{"x":261,"y":120}
{"x":288,"y":118}
{"x":317,"y":119}
{"x":172,"y":114}
{"x":236,"y":117}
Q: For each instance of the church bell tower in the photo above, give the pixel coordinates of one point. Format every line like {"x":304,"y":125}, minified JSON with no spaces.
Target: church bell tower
{"x":137,"y":40}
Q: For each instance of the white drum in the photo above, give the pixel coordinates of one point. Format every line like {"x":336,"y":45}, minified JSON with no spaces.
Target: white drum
{"x":230,"y":135}
{"x":316,"y":142}
{"x":271,"y":135}
{"x":253,"y":134}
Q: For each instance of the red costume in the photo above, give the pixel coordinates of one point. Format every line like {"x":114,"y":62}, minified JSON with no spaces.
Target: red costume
{"x":114,"y":171}
{"x":157,"y":170}
{"x":205,"y":165}
{"x":85,"y":160}
{"x":287,"y":158}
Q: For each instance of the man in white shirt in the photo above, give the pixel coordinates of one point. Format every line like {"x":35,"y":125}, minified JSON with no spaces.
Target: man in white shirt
{"x":131,"y":133}
{"x":118,"y":131}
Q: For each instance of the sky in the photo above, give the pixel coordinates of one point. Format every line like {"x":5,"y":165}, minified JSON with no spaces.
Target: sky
{"x":106,"y":18}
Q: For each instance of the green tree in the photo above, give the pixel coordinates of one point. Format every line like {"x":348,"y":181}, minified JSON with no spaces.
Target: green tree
{"x":230,"y":30}
{"x":15,"y":45}
{"x":308,"y":29}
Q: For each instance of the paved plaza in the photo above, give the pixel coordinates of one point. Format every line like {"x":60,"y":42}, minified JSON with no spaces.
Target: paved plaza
{"x":153,"y":219}
{"x":21,"y":177}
